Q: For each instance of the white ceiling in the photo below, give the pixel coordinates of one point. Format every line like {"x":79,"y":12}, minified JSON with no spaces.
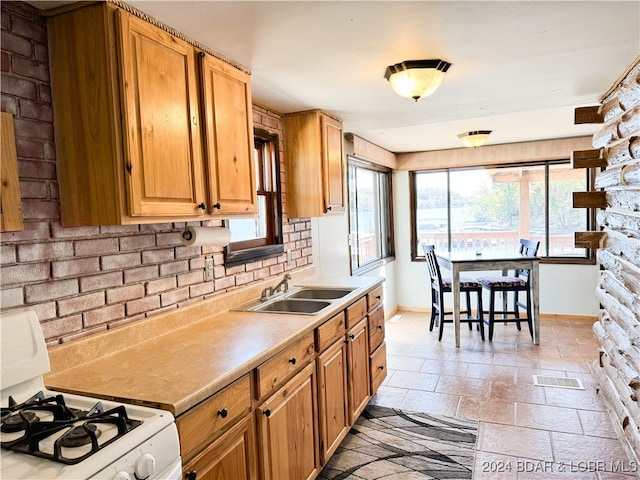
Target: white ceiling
{"x":520,"y":68}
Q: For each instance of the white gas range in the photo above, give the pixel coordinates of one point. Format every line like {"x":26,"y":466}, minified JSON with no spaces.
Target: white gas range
{"x":49,"y":435}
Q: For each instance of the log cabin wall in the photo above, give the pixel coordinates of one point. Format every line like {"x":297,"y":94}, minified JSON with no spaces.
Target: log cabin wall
{"x":618,"y":328}
{"x":82,"y":280}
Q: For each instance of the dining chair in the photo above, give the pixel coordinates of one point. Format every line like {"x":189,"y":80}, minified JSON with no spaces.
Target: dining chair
{"x":440,"y":286}
{"x":518,"y":282}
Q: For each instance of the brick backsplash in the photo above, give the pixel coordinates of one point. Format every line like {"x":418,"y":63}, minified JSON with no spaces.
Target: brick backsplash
{"x":81,"y":280}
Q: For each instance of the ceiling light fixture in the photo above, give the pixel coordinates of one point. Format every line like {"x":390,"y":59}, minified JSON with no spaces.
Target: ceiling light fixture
{"x":416,"y":78}
{"x":474,"y":139}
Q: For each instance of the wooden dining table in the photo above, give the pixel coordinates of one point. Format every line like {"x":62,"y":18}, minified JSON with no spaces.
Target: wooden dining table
{"x":457,"y":262}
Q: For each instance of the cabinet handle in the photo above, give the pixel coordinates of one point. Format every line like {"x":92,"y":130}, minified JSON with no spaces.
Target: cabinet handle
{"x":267,"y":413}
{"x":292,"y":361}
{"x":194,"y":120}
{"x":217,"y":206}
{"x":223,"y":413}
{"x":381,"y":367}
{"x":202,"y":206}
{"x":192,"y":475}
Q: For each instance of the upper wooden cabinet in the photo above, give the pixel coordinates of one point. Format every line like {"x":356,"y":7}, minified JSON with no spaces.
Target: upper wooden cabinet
{"x":163,"y":155}
{"x":314,"y":164}
{"x":127,"y":99}
{"x":229,"y":123}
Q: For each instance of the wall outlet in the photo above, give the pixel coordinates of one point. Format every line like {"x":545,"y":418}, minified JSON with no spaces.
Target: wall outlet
{"x":208,"y":269}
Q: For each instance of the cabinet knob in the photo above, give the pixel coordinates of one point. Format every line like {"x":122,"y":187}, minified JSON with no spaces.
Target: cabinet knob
{"x":202,"y":206}
{"x":379,"y":327}
{"x":292,"y":361}
{"x":352,"y":336}
{"x":329,"y":208}
{"x":381,"y":367}
{"x":217,"y":206}
{"x":267,"y":413}
{"x":223,"y":413}
{"x":192,"y":475}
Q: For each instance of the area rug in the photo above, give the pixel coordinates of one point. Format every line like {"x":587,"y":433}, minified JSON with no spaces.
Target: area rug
{"x":391,"y":444}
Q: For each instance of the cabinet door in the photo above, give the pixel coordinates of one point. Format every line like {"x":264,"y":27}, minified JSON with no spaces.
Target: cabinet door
{"x":229,"y":137}
{"x":332,"y":398}
{"x":232,"y":456}
{"x":287,"y":428}
{"x":358,"y":369}
{"x":163,"y":154}
{"x":333,"y":165}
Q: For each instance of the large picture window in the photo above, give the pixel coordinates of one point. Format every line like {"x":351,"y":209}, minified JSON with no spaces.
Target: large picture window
{"x":492,"y":208}
{"x":370,"y":221}
{"x":260,"y":237}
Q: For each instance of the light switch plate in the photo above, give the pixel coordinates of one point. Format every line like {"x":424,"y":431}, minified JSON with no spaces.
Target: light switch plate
{"x":208,"y":269}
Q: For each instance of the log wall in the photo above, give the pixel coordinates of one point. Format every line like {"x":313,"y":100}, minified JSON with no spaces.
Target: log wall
{"x":618,"y":328}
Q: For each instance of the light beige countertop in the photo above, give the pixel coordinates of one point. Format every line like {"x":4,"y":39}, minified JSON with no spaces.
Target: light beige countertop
{"x":177,"y":359}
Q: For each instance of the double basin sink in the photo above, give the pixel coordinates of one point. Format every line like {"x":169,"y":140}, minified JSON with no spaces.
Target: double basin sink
{"x":302,"y":300}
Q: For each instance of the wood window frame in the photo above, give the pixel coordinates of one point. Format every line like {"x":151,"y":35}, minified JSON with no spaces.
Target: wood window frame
{"x":588,"y":259}
{"x":272,"y":245}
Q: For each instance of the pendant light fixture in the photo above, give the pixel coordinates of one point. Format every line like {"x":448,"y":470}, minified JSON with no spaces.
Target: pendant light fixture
{"x":474,"y":139}
{"x":416,"y":78}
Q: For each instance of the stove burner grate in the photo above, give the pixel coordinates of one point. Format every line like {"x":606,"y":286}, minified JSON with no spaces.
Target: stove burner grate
{"x":82,"y":427}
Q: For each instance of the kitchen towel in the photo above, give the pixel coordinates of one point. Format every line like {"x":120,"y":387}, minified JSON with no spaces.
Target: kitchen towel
{"x":206,"y":236}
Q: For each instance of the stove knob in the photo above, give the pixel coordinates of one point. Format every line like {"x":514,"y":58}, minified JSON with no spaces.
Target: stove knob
{"x":122,"y":476}
{"x":145,"y":466}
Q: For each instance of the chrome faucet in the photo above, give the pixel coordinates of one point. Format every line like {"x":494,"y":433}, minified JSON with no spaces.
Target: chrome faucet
{"x":270,"y":291}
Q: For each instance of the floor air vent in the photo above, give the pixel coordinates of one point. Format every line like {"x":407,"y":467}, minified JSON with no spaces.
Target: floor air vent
{"x":561,"y":382}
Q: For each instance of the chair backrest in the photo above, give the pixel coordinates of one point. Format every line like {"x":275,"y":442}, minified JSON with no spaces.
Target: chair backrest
{"x":529,"y":248}
{"x":432,"y":264}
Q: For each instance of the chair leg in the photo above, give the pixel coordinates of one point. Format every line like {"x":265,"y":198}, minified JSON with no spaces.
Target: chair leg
{"x":468,"y":297}
{"x":441,"y":312}
{"x":529,"y":318}
{"x":492,"y":309}
{"x":433,"y":317}
{"x":480,"y":315}
{"x":516,"y":310}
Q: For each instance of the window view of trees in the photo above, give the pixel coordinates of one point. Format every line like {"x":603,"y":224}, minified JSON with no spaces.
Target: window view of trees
{"x":492,"y":208}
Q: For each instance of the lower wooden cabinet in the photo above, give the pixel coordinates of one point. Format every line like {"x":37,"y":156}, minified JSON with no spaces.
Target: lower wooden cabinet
{"x":288,"y":416}
{"x":333,"y":412}
{"x":378,"y":367}
{"x":232,"y":456}
{"x":288,"y":430}
{"x":358,"y":369}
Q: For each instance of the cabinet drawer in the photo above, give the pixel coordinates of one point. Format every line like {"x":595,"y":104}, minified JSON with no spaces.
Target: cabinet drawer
{"x":202,"y":423}
{"x":378,"y":367}
{"x":376,"y":328}
{"x":329,"y":331}
{"x":271,"y":374}
{"x":374,"y":297}
{"x":356,"y":312}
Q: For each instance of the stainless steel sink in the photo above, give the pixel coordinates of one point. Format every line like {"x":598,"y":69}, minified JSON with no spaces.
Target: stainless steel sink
{"x":318,"y":293}
{"x":288,"y":305}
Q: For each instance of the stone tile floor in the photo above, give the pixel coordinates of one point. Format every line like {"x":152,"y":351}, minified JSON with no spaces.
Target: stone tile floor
{"x":525,"y":431}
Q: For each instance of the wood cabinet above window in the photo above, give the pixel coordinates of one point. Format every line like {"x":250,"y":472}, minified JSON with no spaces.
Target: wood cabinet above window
{"x":127,"y":100}
{"x":314,"y":164}
{"x":228,"y":137}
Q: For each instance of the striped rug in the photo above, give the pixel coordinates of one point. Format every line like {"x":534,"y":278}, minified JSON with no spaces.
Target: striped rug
{"x":391,"y":444}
